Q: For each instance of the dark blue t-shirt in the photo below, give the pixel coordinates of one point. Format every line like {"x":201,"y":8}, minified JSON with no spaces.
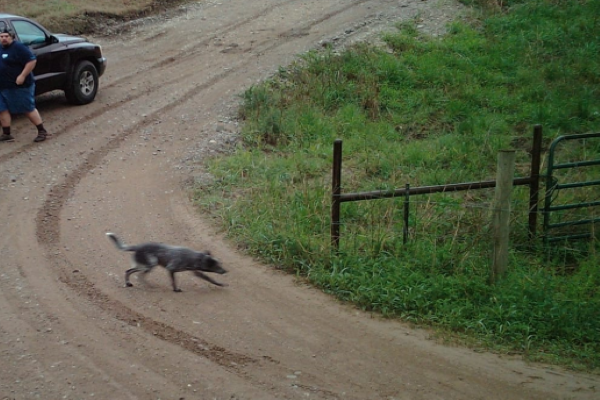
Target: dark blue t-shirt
{"x":12,"y":61}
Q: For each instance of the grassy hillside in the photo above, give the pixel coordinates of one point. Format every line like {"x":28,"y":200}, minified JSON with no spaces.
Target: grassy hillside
{"x":425,"y":112}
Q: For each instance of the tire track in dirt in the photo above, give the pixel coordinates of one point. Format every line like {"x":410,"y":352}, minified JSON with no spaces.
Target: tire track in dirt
{"x":170,"y":62}
{"x":179,"y":57}
{"x":47,"y":220}
{"x":183,"y":55}
{"x":48,"y":234}
{"x":190,"y":53}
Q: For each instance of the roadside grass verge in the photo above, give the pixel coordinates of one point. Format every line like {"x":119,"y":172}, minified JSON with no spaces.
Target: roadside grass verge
{"x":426,"y":112}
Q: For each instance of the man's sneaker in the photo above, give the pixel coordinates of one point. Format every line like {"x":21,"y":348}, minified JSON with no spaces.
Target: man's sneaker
{"x":6,"y":138}
{"x":42,"y":135}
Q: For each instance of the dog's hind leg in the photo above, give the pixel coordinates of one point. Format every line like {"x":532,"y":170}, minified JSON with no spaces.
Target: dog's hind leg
{"x":132,"y":271}
{"x":140,"y":264}
{"x":208,"y":278}
{"x":173,"y":282}
{"x":144,"y":269}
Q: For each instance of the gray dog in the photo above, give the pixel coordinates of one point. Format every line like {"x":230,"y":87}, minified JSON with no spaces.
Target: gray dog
{"x":175,"y":259}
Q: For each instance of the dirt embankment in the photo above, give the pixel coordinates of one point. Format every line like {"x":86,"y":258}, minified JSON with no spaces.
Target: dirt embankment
{"x":68,"y":326}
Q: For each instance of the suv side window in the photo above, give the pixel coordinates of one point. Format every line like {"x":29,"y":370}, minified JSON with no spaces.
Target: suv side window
{"x":29,"y":34}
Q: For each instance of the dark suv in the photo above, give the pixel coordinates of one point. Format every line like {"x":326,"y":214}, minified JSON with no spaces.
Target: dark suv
{"x":67,"y":63}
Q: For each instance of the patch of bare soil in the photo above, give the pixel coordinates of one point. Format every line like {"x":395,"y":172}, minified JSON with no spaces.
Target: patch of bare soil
{"x":68,"y":326}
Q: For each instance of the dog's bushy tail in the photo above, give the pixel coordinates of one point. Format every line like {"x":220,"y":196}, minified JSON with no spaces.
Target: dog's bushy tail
{"x":120,"y":245}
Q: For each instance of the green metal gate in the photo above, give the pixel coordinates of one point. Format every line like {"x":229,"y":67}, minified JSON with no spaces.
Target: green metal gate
{"x":553,"y":187}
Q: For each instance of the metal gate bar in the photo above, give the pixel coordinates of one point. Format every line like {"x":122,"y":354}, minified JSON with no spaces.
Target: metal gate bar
{"x":552,"y":187}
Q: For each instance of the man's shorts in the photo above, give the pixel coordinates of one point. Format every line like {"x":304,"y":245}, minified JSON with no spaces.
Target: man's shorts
{"x":18,"y":101}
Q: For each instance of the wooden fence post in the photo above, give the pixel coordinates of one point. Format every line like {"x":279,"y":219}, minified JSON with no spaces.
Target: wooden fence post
{"x":501,"y":213}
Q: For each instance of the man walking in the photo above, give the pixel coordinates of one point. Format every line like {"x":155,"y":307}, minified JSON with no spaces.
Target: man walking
{"x":17,"y":86}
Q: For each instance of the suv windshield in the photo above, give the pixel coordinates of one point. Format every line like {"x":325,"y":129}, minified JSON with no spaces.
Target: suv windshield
{"x":28,"y":33}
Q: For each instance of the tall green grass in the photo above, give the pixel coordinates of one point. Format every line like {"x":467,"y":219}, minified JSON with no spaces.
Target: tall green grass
{"x":427,"y":112}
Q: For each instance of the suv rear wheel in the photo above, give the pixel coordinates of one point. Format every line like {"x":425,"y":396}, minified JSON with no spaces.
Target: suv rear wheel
{"x":84,"y":84}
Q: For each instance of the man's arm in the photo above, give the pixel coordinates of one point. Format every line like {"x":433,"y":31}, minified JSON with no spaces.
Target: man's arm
{"x":26,"y":71}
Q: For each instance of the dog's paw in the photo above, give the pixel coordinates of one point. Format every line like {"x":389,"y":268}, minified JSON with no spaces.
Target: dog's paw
{"x":177,"y":290}
{"x":128,"y":284}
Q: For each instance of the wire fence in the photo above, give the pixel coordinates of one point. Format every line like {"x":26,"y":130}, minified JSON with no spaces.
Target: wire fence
{"x":450,"y":228}
{"x":456,"y":218}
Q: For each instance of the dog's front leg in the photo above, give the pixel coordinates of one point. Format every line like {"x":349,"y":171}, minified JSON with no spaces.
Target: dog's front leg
{"x":208,"y":278}
{"x":175,"y":288}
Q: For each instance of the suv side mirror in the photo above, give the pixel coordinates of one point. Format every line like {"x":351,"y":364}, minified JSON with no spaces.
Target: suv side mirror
{"x":51,"y":39}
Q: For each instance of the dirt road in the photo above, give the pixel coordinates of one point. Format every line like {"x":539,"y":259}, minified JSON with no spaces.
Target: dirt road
{"x":68,"y":327}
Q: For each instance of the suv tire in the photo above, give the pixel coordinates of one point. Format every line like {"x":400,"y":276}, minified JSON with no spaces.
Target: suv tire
{"x":83,"y":86}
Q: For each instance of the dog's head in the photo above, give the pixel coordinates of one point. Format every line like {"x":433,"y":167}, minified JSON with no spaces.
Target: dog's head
{"x":207,"y":263}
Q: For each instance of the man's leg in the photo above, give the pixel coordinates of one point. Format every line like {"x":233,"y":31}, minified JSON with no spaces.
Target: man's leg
{"x":36,"y":119}
{"x":5,"y":121}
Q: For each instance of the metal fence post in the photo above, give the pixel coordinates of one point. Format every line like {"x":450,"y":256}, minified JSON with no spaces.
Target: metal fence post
{"x":335,"y":193}
{"x":406,"y":211}
{"x":534,"y":176}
